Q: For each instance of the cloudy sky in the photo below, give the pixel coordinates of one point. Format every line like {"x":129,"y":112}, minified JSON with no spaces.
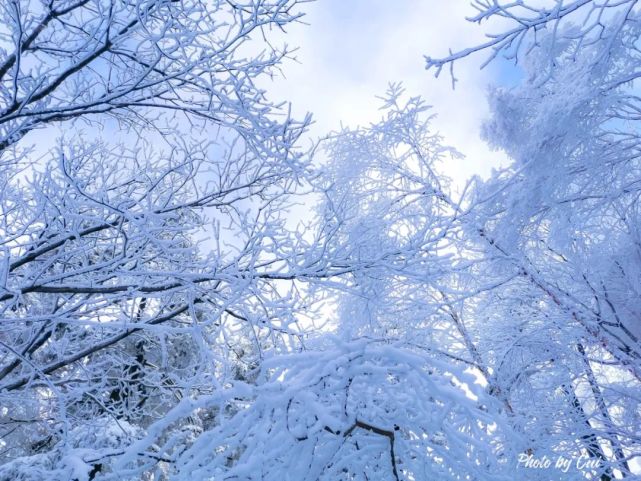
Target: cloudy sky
{"x":351,"y":49}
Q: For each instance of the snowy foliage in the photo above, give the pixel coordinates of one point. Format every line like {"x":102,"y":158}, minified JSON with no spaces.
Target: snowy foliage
{"x":560,"y":226}
{"x":162,"y":313}
{"x":358,"y":410}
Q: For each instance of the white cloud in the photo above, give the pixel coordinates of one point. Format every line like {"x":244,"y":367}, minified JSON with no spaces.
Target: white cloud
{"x":352,"y":49}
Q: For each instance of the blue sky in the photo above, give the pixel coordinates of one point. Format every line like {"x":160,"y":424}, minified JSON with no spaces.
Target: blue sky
{"x":351,"y":49}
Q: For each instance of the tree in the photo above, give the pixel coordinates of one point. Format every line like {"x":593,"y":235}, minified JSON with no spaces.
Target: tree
{"x":564,"y":216}
{"x":66,"y":59}
{"x":390,"y":213}
{"x":363,"y":409}
{"x":128,"y":268}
